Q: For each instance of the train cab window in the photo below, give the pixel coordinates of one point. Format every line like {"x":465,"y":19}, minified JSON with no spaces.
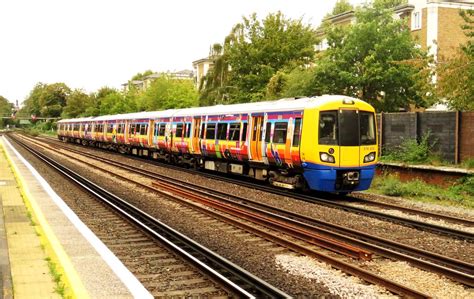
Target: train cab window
{"x":296,"y":132}
{"x":268,"y":131}
{"x":349,"y":128}
{"x":188,"y":130}
{"x":244,"y":132}
{"x":367,"y":128}
{"x":279,"y":134}
{"x":328,"y":128}
{"x":143,"y":129}
{"x":211,"y":131}
{"x":162,"y":130}
{"x":179,"y":130}
{"x":222,"y":131}
{"x":234,"y":132}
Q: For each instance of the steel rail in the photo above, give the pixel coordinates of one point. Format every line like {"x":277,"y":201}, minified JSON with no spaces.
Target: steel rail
{"x":236,"y":279}
{"x":449,"y":267}
{"x":343,"y":266}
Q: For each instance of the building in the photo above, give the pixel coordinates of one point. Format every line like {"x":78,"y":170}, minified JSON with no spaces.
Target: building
{"x":435,"y":24}
{"x":147,"y":80}
{"x":201,"y":67}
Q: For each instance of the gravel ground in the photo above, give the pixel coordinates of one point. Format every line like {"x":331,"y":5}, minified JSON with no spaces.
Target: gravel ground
{"x":417,"y":217}
{"x":460,"y":212}
{"x":277,"y":269}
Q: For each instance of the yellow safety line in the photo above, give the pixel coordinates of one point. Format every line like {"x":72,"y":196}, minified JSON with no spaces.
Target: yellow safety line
{"x":73,"y":284}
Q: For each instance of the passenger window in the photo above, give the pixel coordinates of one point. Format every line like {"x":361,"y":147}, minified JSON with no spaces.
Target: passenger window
{"x":143,"y":129}
{"x":296,"y":133}
{"x":211,"y":131}
{"x":268,"y":131}
{"x":188,"y":130}
{"x":279,"y":133}
{"x":328,"y":128}
{"x":162,"y":130}
{"x":244,"y":132}
{"x":131,"y":130}
{"x":234,"y":132}
{"x":110,"y":128}
{"x":202,"y":131}
{"x":179,"y":130}
{"x":222,"y":131}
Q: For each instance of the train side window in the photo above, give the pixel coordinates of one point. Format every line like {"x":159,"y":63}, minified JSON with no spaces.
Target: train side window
{"x":110,"y":128}
{"x":131,"y":130}
{"x":244,"y":132}
{"x":188,"y":130}
{"x":222,"y":131}
{"x":157,"y":129}
{"x":179,"y":130}
{"x":211,"y":131}
{"x":279,"y":134}
{"x":296,"y":132}
{"x":328,"y":128}
{"x":143,"y":129}
{"x":234,"y":131}
{"x":162,"y":130}
{"x":268,"y":131}
{"x":202,"y":130}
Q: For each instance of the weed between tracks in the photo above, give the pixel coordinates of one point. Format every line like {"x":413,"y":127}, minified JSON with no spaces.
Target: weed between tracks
{"x":460,"y":194}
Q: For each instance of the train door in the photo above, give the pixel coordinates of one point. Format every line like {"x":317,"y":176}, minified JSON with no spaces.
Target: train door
{"x":256,"y":138}
{"x":195,"y":140}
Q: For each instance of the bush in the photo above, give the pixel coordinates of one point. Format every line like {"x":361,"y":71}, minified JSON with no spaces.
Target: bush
{"x":412,"y":151}
{"x":469,"y":163}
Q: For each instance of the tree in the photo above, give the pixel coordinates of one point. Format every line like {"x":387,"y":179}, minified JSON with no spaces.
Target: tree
{"x":456,"y":76}
{"x":47,"y":100}
{"x":388,"y":4}
{"x":377,"y":60}
{"x":5,"y":110}
{"x":255,"y":50}
{"x":213,"y":86}
{"x":76,"y":104}
{"x":341,"y":6}
{"x":168,"y":93}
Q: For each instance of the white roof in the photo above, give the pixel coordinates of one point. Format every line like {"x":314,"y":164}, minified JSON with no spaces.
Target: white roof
{"x":269,"y":106}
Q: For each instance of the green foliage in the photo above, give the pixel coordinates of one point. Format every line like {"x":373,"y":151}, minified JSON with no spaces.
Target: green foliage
{"x":255,"y":50}
{"x":168,"y":93}
{"x":375,"y":59}
{"x":140,"y":76}
{"x":386,"y":4}
{"x":468,"y":163}
{"x":341,"y":6}
{"x":462,"y":193}
{"x":5,"y":110}
{"x":456,"y":75}
{"x":411,"y":151}
{"x":76,"y":104}
{"x":46,"y":100}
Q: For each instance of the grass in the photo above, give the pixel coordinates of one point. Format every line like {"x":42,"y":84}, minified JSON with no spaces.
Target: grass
{"x":460,"y":194}
{"x":60,"y":287}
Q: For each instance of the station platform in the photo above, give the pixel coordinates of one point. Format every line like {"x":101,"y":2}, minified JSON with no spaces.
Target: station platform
{"x":46,"y":251}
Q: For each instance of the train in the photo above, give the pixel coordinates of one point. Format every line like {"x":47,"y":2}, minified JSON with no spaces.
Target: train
{"x":326,"y":143}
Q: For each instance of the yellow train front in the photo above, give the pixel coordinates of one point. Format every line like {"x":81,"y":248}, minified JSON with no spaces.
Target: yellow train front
{"x":339,"y":146}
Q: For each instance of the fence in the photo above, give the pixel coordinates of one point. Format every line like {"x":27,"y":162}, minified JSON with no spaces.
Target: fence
{"x":452,"y":132}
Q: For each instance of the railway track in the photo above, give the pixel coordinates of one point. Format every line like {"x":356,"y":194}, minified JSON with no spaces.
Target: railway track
{"x":456,"y":270}
{"x":237,"y":281}
{"x":340,"y":205}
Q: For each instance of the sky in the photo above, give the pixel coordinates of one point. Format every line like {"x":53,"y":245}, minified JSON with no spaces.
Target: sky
{"x":88,"y":44}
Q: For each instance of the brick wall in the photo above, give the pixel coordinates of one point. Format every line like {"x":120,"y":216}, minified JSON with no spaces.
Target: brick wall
{"x":442,"y":128}
{"x":396,"y":127}
{"x":466,"y":136}
{"x":450,"y":34}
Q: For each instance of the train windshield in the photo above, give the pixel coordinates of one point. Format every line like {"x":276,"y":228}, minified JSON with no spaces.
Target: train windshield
{"x":346,"y":128}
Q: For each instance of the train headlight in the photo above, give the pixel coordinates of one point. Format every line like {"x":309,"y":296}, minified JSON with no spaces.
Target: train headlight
{"x":325,"y":157}
{"x":369,"y":157}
